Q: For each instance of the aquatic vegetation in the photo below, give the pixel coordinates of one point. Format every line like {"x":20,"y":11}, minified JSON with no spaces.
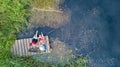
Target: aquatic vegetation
{"x":78,"y":62}
{"x":60,"y":53}
{"x":48,"y":13}
{"x":61,"y":56}
{"x":53,"y":19}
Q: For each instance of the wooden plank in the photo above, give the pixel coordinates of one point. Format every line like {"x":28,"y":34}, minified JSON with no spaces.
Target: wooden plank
{"x":25,"y":41}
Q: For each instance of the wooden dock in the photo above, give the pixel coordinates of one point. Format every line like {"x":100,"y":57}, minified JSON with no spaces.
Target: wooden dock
{"x":21,"y":47}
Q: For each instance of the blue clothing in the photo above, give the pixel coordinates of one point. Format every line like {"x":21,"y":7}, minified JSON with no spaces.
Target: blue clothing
{"x":45,"y":47}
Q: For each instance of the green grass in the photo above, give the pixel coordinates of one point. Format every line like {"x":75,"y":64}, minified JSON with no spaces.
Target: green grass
{"x":12,"y":19}
{"x":22,"y":62}
{"x":44,"y":4}
{"x":15,"y":61}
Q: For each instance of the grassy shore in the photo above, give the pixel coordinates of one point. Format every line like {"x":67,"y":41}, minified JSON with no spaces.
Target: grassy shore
{"x":13,"y":18}
{"x":46,"y":4}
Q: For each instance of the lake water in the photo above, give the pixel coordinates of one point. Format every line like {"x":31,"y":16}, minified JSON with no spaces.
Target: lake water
{"x":93,"y":30}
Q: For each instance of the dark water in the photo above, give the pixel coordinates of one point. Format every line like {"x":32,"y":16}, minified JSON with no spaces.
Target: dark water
{"x":93,"y":31}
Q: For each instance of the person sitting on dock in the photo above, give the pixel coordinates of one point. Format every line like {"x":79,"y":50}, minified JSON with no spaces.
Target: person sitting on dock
{"x":43,"y":46}
{"x":34,"y":40}
{"x":41,"y":39}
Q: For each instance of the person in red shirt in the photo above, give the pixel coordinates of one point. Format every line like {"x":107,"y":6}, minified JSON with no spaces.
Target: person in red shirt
{"x":41,"y":39}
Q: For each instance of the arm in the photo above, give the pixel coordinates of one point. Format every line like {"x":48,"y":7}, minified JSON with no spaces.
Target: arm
{"x":36,"y":33}
{"x":35,"y":36}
